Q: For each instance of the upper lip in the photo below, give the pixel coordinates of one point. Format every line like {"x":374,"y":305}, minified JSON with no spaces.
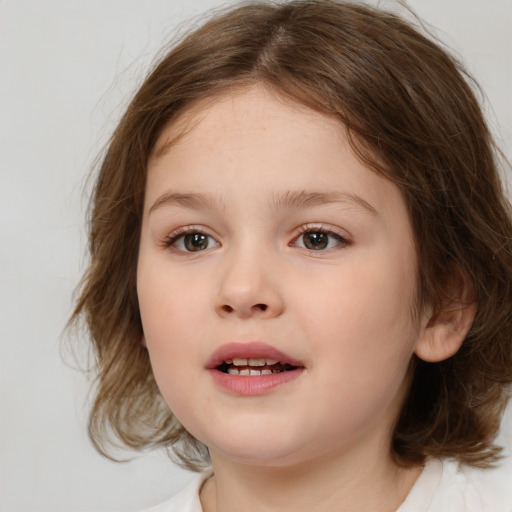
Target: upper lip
{"x":250,"y":350}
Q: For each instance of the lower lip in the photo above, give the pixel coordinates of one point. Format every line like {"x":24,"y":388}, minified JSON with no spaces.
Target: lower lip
{"x":255,"y":385}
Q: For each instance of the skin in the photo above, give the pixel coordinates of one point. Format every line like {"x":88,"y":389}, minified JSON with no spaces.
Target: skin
{"x":321,"y":441}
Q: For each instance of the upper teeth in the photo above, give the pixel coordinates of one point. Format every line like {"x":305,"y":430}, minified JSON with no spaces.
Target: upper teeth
{"x":251,"y":362}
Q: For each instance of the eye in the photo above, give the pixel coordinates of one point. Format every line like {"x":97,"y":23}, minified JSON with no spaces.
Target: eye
{"x":192,"y":241}
{"x":315,"y":239}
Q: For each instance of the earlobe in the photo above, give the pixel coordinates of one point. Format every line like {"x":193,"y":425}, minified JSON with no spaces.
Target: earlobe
{"x":445,"y":330}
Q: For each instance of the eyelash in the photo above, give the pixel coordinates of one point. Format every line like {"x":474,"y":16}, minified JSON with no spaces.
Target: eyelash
{"x":308,"y":228}
{"x":181,"y":232}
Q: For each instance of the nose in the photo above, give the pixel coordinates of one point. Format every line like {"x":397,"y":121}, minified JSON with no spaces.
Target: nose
{"x":249,"y":286}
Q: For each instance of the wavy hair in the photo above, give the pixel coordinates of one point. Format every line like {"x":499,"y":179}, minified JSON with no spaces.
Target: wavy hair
{"x":412,"y":115}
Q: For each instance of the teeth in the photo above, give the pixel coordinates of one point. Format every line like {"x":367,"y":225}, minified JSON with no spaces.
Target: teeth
{"x":247,"y":367}
{"x":239,"y":361}
{"x":249,"y":372}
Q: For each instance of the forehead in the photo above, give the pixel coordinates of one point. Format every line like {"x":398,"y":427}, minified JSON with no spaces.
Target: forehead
{"x":255,"y":140}
{"x":243,"y":110}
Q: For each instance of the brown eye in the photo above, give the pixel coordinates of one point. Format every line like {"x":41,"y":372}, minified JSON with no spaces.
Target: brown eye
{"x":193,"y":242}
{"x":315,"y":240}
{"x":320,"y":240}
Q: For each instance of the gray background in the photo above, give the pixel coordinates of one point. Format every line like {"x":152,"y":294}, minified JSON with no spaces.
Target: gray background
{"x":67,"y":69}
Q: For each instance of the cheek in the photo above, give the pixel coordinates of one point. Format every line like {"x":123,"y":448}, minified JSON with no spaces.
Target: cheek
{"x":170,"y":318}
{"x":169,"y":302}
{"x":175,"y":329}
{"x":365,"y":322}
{"x":363,"y":339}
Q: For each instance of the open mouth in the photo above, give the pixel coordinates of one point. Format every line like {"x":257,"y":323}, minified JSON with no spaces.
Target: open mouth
{"x":253,"y":367}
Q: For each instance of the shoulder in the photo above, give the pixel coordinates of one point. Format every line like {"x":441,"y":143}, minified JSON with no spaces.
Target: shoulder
{"x":187,"y":500}
{"x":445,"y":486}
{"x":474,"y":489}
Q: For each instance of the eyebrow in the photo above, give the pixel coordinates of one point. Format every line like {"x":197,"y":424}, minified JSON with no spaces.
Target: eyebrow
{"x":186,"y":200}
{"x":288,"y":200}
{"x":304,"y":199}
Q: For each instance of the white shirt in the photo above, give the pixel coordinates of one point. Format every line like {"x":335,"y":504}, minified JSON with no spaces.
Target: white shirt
{"x":443,"y":486}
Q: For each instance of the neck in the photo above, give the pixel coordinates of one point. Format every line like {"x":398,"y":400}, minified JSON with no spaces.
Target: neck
{"x":329,"y":483}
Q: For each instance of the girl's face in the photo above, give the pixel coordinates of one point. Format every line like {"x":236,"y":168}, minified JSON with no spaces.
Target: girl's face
{"x":264,"y":238}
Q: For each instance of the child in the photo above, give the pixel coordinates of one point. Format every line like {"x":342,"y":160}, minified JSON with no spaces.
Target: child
{"x":301,"y":268}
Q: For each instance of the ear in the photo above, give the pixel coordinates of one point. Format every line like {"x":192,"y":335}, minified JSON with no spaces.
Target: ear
{"x":143,"y":341}
{"x":444,"y":331}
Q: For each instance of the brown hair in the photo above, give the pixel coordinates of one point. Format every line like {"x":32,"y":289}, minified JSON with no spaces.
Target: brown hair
{"x":411,"y":115}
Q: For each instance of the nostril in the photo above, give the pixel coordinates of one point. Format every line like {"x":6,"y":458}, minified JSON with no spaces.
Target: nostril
{"x":229,"y":309}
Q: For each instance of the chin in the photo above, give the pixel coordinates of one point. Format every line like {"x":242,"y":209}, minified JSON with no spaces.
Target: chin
{"x":258,"y":449}
{"x":274,"y":459}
